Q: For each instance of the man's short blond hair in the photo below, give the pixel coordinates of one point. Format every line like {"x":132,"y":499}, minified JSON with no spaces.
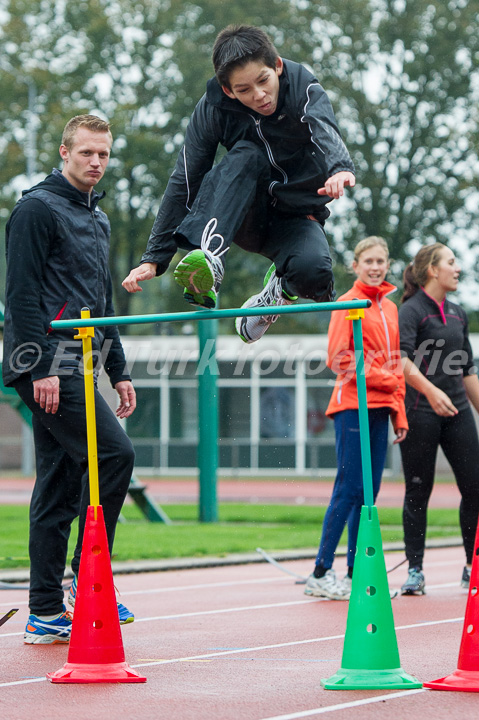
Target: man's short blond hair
{"x":91,"y":122}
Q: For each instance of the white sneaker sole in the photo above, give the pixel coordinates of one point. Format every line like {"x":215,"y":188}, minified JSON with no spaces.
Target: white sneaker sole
{"x":32,"y":639}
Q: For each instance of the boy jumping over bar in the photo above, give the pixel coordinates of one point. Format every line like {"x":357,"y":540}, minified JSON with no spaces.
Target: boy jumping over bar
{"x":285,"y":161}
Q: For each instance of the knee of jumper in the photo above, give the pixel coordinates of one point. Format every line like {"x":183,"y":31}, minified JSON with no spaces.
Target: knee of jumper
{"x":311,"y":280}
{"x":249,"y":155}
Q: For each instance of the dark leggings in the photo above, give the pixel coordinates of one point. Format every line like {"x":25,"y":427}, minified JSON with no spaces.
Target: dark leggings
{"x":458,"y":438}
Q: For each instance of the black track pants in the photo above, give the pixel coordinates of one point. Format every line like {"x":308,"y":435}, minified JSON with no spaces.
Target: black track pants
{"x":61,"y":491}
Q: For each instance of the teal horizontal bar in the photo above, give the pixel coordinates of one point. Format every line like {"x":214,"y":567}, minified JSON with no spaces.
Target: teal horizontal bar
{"x":209,"y":314}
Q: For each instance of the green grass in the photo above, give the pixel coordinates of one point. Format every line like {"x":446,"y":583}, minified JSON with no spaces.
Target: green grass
{"x":241,"y":528}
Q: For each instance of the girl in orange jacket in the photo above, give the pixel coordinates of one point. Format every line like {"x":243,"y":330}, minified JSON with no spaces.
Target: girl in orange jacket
{"x":385,"y":396}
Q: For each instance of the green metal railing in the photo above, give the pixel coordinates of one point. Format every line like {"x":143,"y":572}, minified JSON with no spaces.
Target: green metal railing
{"x":211,"y":314}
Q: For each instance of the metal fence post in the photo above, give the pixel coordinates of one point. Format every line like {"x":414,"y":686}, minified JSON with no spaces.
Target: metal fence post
{"x":207,"y":371}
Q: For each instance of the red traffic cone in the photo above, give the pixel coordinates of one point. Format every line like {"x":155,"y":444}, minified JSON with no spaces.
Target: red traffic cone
{"x":466,"y":677}
{"x":96,"y":648}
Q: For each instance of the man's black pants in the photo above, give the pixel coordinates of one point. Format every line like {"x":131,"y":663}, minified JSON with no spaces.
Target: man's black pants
{"x":61,"y":491}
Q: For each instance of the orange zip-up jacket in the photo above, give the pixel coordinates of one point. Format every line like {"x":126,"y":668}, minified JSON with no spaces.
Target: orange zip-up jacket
{"x":385,"y":385}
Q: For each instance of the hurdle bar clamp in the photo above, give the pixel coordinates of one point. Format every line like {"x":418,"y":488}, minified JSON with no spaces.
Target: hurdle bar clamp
{"x":207,"y":390}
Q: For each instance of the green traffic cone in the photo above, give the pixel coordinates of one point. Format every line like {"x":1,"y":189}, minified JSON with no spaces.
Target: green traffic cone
{"x":370,"y":653}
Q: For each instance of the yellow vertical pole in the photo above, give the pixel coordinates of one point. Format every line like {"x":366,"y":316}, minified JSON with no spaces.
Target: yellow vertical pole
{"x":85,"y":335}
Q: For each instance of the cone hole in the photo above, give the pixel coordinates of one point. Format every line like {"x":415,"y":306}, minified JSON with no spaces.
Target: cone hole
{"x":370,"y":551}
{"x":474,"y":591}
{"x":371,"y":590}
{"x":97,"y":624}
{"x":97,"y":587}
{"x":96,"y":550}
{"x":372,"y":628}
{"x":470,"y":629}
{"x":477,"y":551}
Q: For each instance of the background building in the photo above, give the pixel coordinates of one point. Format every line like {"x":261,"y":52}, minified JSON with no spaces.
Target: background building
{"x":272,"y":401}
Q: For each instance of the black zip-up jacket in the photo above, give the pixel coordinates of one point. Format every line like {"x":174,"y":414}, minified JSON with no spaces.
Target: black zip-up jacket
{"x":301,"y":139}
{"x":435,"y":337}
{"x":57,"y":246}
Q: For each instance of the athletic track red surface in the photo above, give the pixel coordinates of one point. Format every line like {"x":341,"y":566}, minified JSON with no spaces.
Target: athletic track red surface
{"x":244,"y":643}
{"x":18,"y":490}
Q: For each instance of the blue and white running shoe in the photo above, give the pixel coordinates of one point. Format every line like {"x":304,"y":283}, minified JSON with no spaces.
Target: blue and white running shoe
{"x":48,"y":632}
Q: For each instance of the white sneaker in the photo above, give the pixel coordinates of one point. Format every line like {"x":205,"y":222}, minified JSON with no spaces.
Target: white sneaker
{"x":310,"y":585}
{"x":251,"y":329}
{"x":326,"y":586}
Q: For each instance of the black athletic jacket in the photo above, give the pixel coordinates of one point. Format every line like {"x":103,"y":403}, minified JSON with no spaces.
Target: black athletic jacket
{"x":57,"y":245}
{"x":301,"y":139}
{"x":436,"y":338}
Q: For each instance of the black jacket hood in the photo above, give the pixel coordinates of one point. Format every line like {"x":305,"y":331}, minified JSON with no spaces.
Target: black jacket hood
{"x":57,"y":183}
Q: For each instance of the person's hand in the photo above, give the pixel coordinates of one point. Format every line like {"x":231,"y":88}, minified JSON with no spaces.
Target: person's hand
{"x":400,"y":435}
{"x":441,"y":403}
{"x":145,"y":271}
{"x":334,"y":186}
{"x":127,"y":394}
{"x":46,"y":392}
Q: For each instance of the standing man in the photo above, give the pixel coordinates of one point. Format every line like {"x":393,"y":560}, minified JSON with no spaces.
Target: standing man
{"x":57,"y":246}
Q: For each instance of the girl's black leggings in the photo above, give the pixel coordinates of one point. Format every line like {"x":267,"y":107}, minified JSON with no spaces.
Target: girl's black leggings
{"x":457,"y":436}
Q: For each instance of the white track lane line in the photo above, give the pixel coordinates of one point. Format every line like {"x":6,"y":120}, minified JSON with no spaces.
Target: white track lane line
{"x":210,"y":612}
{"x":207,"y":586}
{"x":232,"y":583}
{"x":14,"y":603}
{"x":244,"y":608}
{"x":292,"y":643}
{"x":238,"y":651}
{"x":23,"y":682}
{"x":228,"y":610}
{"x":180,"y":588}
{"x":346,"y":706}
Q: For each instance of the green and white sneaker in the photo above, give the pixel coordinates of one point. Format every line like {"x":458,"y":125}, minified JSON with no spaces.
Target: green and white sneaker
{"x":201,"y":271}
{"x":251,"y":329}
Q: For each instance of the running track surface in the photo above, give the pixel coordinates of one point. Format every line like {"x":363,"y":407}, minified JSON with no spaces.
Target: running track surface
{"x":244,"y":643}
{"x":18,"y":490}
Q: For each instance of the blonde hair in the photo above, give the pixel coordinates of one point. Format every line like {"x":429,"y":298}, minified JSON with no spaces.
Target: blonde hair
{"x":91,"y":122}
{"x":368,"y":243}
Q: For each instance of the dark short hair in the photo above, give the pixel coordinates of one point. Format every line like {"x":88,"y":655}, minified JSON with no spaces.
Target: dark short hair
{"x":237,"y":45}
{"x":90,"y":122}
